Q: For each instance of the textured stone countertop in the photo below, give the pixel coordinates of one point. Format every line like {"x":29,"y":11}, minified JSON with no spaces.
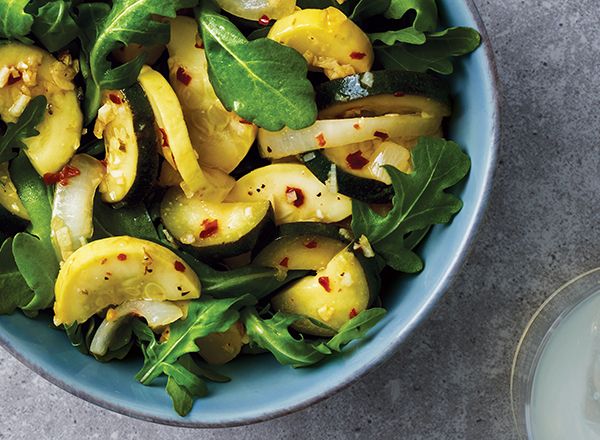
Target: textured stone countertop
{"x":450,"y":379}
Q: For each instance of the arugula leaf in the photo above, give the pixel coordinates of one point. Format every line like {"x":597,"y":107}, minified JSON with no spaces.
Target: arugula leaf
{"x":356,"y":328}
{"x":34,"y":252}
{"x":12,"y":140}
{"x":369,"y":8}
{"x":419,"y":201}
{"x":14,"y":291}
{"x":407,"y":35}
{"x":273,"y":335}
{"x":435,"y":53}
{"x":261,"y":80}
{"x":183,"y":387}
{"x":205,"y":316}
{"x":80,"y":335}
{"x":129,"y":21}
{"x":426,"y":11}
{"x":131,"y":220}
{"x":53,"y":24}
{"x":202,"y":370}
{"x":15,"y":22}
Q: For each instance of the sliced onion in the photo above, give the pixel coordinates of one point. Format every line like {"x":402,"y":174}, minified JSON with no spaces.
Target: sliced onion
{"x":72,"y":223}
{"x":157,"y":314}
{"x":389,"y":153}
{"x":256,"y":9}
{"x":333,"y":133}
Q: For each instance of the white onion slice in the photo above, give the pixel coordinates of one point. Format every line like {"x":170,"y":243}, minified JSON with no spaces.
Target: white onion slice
{"x":255,"y":9}
{"x":156,"y":313}
{"x":72,"y":223}
{"x":333,"y":133}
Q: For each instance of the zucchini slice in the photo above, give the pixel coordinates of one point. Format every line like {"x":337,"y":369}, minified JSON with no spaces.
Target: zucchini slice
{"x":216,"y":230}
{"x":382,"y":92}
{"x":333,"y":296}
{"x":331,"y":133}
{"x":221,"y":348}
{"x":176,"y":146}
{"x":72,"y":223}
{"x":312,"y":228}
{"x":328,"y":40}
{"x":295,"y":193}
{"x":221,"y":183}
{"x":26,"y":72}
{"x":359,"y":168}
{"x":221,"y":138}
{"x":300,"y":252}
{"x":126,"y":123}
{"x":116,"y":269}
{"x":13,"y":214}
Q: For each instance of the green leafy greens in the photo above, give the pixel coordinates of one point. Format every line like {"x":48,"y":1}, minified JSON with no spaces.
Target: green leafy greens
{"x":54,"y":25}
{"x":15,"y":22}
{"x":261,"y":80}
{"x":12,"y":140}
{"x":273,"y":335}
{"x":419,"y":201}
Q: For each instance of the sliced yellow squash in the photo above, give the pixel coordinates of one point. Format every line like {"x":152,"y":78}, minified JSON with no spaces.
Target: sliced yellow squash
{"x":117,"y":269}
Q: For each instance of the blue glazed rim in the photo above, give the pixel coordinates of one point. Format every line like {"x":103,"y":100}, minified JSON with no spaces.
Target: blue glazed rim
{"x":386,"y":353}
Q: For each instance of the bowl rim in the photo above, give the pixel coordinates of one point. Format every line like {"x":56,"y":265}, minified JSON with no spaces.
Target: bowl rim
{"x":415,"y":321}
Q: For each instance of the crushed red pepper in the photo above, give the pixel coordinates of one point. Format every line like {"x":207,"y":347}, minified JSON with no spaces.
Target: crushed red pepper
{"x":121,"y":257}
{"x":13,"y":79}
{"x":299,"y":196}
{"x":356,"y":160}
{"x":183,"y":77}
{"x":210,"y":228}
{"x":356,"y":126}
{"x":352,"y":313}
{"x":243,"y":121}
{"x":284,"y":262}
{"x":165,"y":138}
{"x":62,"y":177}
{"x":399,"y":94}
{"x":321,"y":141}
{"x":357,"y":55}
{"x":179,"y":266}
{"x":311,"y":244}
{"x":324,"y":281}
{"x":115,"y":98}
{"x":264,"y":20}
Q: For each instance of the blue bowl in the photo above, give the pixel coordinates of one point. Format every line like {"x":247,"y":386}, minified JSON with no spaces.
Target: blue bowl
{"x":261,"y":389}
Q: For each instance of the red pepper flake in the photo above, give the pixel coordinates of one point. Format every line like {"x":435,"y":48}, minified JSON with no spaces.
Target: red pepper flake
{"x":183,"y":77}
{"x":121,"y":257}
{"x":324,"y":281}
{"x":381,"y":135}
{"x":356,"y":126}
{"x":115,"y":98}
{"x":399,"y":94}
{"x":264,"y":20}
{"x":243,"y":121}
{"x":284,"y":262}
{"x":165,"y":138}
{"x":13,"y":79}
{"x":104,"y":163}
{"x":321,"y":141}
{"x":356,"y":160}
{"x":311,"y":244}
{"x":199,"y":45}
{"x":179,"y":266}
{"x":299,"y":200}
{"x":209,"y":228}
{"x":62,"y":177}
{"x":357,"y":55}
{"x":352,"y":313}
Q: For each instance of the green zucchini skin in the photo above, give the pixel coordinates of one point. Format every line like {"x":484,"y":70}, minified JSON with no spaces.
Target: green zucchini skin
{"x":311,"y":228}
{"x":359,"y":188}
{"x":148,"y":145}
{"x":262,"y":234}
{"x":385,"y":82}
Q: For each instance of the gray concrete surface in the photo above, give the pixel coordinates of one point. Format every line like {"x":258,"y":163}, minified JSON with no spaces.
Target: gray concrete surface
{"x":450,"y":380}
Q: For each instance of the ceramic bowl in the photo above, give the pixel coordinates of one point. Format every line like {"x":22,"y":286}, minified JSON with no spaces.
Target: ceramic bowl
{"x":261,"y":389}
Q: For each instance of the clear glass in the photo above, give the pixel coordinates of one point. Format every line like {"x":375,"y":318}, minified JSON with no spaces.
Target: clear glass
{"x":566,"y":302}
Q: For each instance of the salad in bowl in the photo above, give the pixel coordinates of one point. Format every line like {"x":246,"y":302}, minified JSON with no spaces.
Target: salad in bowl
{"x":189,"y":182}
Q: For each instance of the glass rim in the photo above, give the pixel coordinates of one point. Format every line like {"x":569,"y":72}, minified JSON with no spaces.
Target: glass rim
{"x":534,"y":337}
